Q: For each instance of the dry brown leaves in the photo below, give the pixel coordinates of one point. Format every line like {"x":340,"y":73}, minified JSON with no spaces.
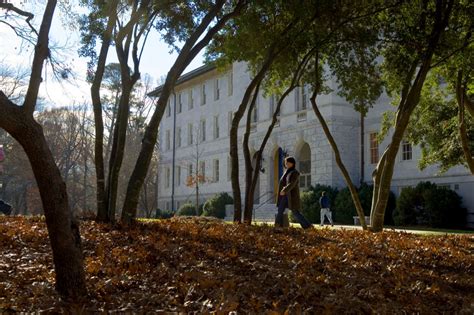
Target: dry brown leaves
{"x":203,"y":266}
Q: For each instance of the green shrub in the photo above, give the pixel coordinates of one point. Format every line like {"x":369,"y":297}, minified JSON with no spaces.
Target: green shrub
{"x":186,"y":209}
{"x":408,"y":205}
{"x":430,"y":205}
{"x":344,"y":209}
{"x":310,"y":202}
{"x":163,"y":214}
{"x":215,"y":206}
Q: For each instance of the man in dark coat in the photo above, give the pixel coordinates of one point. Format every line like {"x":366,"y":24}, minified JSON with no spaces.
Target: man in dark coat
{"x":289,"y":194}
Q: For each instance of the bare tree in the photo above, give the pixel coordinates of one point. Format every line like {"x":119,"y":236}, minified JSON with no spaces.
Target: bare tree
{"x":19,"y":122}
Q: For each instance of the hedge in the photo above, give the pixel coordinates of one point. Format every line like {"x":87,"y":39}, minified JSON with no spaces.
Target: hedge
{"x":430,"y":205}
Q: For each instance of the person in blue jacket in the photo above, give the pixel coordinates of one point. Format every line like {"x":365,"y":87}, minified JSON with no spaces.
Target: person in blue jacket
{"x":325,"y":204}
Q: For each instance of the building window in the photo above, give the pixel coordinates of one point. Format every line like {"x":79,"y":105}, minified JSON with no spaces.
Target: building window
{"x":272,"y":105}
{"x":305,"y":166}
{"x":178,"y":175}
{"x":167,"y":177}
{"x":216,"y":171}
{"x":301,"y":98}
{"x":406,"y":151}
{"x":304,"y":97}
{"x":190,"y":99}
{"x":255,"y":110}
{"x":202,"y":130}
{"x":203,"y":94}
{"x":374,"y":148}
{"x":255,"y":114}
{"x":230,"y":116}
{"x":190,"y":169}
{"x":168,"y":108}
{"x":168,"y":140}
{"x":180,"y":103}
{"x":190,"y":134}
{"x":178,"y":137}
{"x":216,"y":90}
{"x":168,"y":205}
{"x":229,"y":168}
{"x":230,"y":84}
{"x":216,"y":127}
{"x":202,"y":169}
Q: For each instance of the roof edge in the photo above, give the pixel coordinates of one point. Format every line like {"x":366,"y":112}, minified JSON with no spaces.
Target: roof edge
{"x":186,"y":77}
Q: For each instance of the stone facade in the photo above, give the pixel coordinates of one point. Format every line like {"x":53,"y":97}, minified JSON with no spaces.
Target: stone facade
{"x":298,"y":129}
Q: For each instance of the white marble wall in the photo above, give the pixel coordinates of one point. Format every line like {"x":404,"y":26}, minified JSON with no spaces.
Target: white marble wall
{"x":291,"y":134}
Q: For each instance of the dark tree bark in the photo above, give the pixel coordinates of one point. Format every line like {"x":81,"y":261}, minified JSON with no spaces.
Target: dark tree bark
{"x":102,"y":214}
{"x":121,"y":124}
{"x":234,"y":147}
{"x":249,"y":170}
{"x":63,"y":229}
{"x":252,"y":174}
{"x":383,"y":173}
{"x":460,"y":98}
{"x":189,"y":51}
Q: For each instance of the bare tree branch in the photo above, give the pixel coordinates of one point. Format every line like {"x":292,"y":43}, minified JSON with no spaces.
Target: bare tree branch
{"x":29,"y":16}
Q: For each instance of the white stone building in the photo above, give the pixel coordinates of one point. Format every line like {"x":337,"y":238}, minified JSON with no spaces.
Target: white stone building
{"x":201,"y":112}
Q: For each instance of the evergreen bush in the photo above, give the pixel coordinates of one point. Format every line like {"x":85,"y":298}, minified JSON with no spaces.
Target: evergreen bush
{"x":344,"y":209}
{"x":215,"y":206}
{"x":430,"y":205}
{"x":187,"y":209}
{"x":163,"y":214}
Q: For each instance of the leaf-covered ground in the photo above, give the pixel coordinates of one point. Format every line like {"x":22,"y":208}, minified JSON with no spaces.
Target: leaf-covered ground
{"x":203,"y":266}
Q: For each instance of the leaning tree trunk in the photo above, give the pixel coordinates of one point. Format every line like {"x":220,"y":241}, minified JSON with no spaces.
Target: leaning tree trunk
{"x":118,"y":145}
{"x":189,"y":51}
{"x":460,"y":97}
{"x":233,"y":139}
{"x":249,"y":193}
{"x":254,"y":173}
{"x":63,"y":229}
{"x":411,"y":92}
{"x":340,"y":164}
{"x":18,"y":121}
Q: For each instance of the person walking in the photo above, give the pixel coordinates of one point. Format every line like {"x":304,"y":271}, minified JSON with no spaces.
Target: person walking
{"x":289,"y":194}
{"x":325,"y":204}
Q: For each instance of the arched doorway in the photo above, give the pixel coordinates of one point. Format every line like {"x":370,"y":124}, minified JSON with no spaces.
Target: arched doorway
{"x":304,"y":166}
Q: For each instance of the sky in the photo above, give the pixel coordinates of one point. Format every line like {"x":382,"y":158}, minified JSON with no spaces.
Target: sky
{"x":156,"y":61}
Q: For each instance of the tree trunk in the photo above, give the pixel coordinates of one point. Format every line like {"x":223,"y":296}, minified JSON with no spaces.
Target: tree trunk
{"x":98,"y":119}
{"x":118,"y":146}
{"x":254,"y":173}
{"x":249,"y":192}
{"x":460,"y":96}
{"x":63,"y":229}
{"x":18,"y":121}
{"x":189,"y":51}
{"x":362,"y":148}
{"x":411,"y":92}
{"x":233,"y":138}
{"x":340,"y":164}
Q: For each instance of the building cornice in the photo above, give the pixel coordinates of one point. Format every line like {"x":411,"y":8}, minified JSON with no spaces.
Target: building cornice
{"x":186,"y":77}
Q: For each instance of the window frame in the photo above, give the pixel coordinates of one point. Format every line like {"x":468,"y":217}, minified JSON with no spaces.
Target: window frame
{"x":373,"y":148}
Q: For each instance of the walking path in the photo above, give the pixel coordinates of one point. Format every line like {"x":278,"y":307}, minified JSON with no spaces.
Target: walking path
{"x":425,"y":231}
